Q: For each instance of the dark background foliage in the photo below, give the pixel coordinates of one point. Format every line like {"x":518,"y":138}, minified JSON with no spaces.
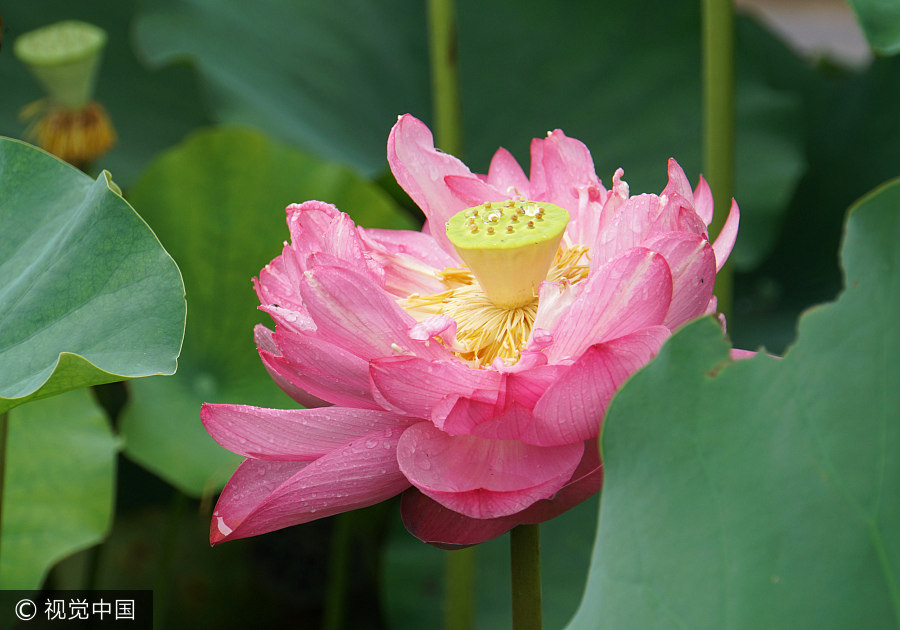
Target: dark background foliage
{"x":294,"y":100}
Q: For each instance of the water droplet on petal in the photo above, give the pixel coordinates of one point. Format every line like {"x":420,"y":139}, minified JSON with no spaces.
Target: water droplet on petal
{"x":371,"y":443}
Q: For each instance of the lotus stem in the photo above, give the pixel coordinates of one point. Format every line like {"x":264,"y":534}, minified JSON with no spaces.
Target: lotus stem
{"x":718,"y":123}
{"x":338,"y":572}
{"x":525,"y":568}
{"x":445,"y":75}
{"x":459,"y":596}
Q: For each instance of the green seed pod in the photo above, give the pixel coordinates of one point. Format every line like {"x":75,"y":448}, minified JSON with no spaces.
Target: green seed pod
{"x":64,"y":57}
{"x":509,"y":246}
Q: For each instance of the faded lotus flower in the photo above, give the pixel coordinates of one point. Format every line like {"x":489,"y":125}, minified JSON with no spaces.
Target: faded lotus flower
{"x":475,"y":389}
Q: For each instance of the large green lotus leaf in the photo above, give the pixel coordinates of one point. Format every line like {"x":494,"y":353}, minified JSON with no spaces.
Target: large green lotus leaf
{"x":151,"y":110}
{"x":331,"y":77}
{"x":880,"y":20}
{"x":218,"y":201}
{"x":413,"y":574}
{"x":87,"y":293}
{"x":763,"y":493}
{"x":58,"y":491}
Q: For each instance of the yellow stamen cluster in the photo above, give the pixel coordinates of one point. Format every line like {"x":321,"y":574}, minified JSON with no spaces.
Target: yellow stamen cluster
{"x":78,"y":136}
{"x":484,"y":330}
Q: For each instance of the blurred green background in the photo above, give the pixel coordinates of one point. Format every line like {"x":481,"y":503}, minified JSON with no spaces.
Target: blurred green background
{"x":227,"y":112}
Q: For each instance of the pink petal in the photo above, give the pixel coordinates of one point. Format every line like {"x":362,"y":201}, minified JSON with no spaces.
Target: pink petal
{"x":293,"y":434}
{"x":472,"y":191}
{"x":320,"y":228}
{"x":626,"y":229}
{"x":505,"y":175}
{"x":559,"y":167}
{"x":276,"y":284}
{"x":615,"y":198}
{"x":418,"y":245}
{"x":416,"y":386}
{"x":511,"y":418}
{"x":309,"y":221}
{"x":586,"y":481}
{"x":678,"y":183}
{"x":526,"y":388}
{"x":641,"y":218}
{"x":441,"y":326}
{"x":585,"y":219}
{"x":573,"y":407}
{"x":483,"y":478}
{"x":405,"y":275}
{"x":693,"y":265}
{"x":248,"y":487}
{"x":554,"y":302}
{"x":272,"y":283}
{"x":458,"y":415}
{"x":727,"y":236}
{"x":351,"y":312}
{"x":263,"y":496}
{"x":431,"y":522}
{"x":502,"y":415}
{"x":286,"y":318}
{"x":562,"y":172}
{"x":631,"y":292}
{"x":703,"y":201}
{"x":420,"y":169}
{"x":265,"y":341}
{"x":316,"y":228}
{"x":322,"y":369}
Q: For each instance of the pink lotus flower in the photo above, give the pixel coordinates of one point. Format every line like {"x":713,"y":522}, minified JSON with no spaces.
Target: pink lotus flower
{"x":483,"y":416}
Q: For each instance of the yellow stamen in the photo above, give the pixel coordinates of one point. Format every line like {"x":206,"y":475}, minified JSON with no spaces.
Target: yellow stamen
{"x":485,"y":331}
{"x":78,"y":136}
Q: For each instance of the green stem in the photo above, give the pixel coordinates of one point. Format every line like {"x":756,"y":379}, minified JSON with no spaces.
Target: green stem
{"x":338,"y":572}
{"x":718,"y":127}
{"x":459,"y":595}
{"x":445,"y":75}
{"x":525,"y":565}
{"x":4,"y":425}
{"x":92,"y":573}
